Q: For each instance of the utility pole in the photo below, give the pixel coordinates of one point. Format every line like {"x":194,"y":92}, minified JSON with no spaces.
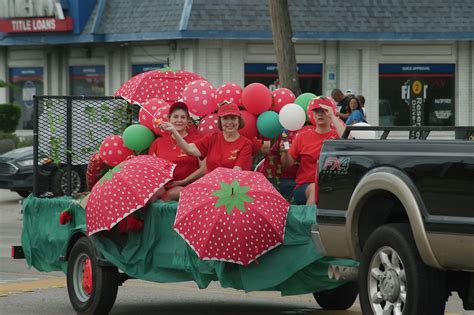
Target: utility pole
{"x":284,"y":47}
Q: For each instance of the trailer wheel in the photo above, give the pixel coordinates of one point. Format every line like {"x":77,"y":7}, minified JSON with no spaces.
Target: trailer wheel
{"x":59,"y":182}
{"x":394,"y":280}
{"x":340,"y":298}
{"x":92,"y":288}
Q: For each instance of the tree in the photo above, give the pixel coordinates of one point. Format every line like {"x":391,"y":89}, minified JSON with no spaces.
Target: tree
{"x":284,"y":47}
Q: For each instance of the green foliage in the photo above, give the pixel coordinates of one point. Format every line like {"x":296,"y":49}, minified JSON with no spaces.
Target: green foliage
{"x":8,"y":135}
{"x":25,"y":142}
{"x":9,"y":116}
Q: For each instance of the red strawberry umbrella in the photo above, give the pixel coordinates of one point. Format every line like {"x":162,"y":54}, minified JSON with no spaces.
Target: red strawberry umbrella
{"x":231,"y":215}
{"x":124,"y":189}
{"x":166,"y":84}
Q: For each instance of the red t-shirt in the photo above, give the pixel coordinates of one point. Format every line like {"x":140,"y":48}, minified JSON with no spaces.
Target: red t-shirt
{"x":167,"y":148}
{"x":219,"y":152}
{"x":306,"y":148}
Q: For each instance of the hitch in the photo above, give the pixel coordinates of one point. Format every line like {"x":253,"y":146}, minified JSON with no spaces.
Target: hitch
{"x":17,"y":252}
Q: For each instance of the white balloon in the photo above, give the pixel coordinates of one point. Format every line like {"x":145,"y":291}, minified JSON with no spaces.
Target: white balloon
{"x":363,"y":134}
{"x":292,"y":117}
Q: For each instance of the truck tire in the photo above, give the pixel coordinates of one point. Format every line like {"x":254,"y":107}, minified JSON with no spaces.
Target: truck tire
{"x":92,"y":288}
{"x":59,"y":182}
{"x":394,"y":280}
{"x":340,"y":298}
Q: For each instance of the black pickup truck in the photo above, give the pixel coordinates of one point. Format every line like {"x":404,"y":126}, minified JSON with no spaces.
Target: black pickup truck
{"x":405,"y":210}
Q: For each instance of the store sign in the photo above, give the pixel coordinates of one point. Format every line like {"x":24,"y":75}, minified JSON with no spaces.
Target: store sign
{"x":309,"y":75}
{"x":414,"y":95}
{"x":136,"y":69}
{"x":30,"y":8}
{"x":26,"y":16}
{"x":36,"y":25}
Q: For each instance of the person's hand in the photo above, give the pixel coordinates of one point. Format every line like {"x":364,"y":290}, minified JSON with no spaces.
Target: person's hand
{"x":176,"y":183}
{"x":282,"y":147}
{"x":328,"y":109}
{"x":167,"y":126}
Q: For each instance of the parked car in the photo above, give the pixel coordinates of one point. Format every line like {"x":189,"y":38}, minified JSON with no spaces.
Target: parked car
{"x":16,"y":174}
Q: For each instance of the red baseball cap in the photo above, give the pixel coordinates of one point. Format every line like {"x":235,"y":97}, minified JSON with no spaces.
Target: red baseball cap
{"x":228,"y":109}
{"x":176,"y":105}
{"x":316,"y":103}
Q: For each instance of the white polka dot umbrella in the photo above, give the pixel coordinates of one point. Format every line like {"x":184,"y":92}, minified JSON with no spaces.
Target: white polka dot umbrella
{"x":230,"y":215}
{"x":125,"y":188}
{"x":166,"y":84}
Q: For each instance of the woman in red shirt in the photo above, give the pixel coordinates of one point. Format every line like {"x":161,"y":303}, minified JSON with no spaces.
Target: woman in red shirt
{"x":226,"y":148}
{"x":188,"y":168}
{"x":306,"y":148}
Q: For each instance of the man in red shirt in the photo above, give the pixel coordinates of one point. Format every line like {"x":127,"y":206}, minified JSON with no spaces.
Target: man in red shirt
{"x":226,"y":148}
{"x":306,"y":148}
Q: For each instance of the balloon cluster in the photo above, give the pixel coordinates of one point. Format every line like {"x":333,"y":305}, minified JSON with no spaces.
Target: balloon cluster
{"x":265,"y":113}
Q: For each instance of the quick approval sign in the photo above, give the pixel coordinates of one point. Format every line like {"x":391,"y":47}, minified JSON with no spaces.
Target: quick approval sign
{"x":28,"y":25}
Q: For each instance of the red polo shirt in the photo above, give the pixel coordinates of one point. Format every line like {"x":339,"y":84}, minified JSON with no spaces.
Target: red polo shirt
{"x":306,"y":148}
{"x":167,"y":148}
{"x":221,"y":153}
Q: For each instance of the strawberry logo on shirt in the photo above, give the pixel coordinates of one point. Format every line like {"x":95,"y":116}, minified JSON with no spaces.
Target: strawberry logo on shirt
{"x":182,"y":154}
{"x":233,"y":154}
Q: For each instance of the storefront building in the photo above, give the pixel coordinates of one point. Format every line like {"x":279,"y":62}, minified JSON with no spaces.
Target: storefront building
{"x":414,"y":62}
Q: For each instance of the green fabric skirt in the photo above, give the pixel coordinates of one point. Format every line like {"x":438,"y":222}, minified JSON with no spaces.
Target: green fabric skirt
{"x":157,"y":253}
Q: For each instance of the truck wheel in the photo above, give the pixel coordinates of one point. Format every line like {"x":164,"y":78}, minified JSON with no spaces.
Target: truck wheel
{"x":394,"y":280}
{"x":59,"y":182}
{"x":340,"y":298}
{"x":92,"y":288}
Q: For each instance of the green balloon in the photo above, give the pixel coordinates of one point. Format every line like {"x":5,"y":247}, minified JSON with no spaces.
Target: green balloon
{"x":268,"y":124}
{"x":137,"y":137}
{"x":303,"y":100}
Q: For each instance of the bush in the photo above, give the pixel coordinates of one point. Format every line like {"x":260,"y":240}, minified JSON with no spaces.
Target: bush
{"x":24,"y":142}
{"x":9,"y":116}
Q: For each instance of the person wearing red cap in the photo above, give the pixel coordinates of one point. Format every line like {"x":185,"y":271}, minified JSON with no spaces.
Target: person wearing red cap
{"x":226,"y":148}
{"x":306,"y":148}
{"x":188,"y":168}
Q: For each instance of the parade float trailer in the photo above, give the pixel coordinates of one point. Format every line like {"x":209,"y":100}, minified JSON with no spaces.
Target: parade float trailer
{"x":55,"y":235}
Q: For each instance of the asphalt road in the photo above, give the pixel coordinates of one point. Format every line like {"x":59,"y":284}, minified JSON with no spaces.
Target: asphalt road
{"x":26,"y":291}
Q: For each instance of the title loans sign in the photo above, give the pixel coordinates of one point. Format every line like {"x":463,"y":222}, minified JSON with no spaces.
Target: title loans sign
{"x":36,"y":25}
{"x":26,"y":16}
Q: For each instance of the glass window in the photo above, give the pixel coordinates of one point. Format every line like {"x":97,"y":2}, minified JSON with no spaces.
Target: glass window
{"x":416,"y":94}
{"x":267,"y":73}
{"x":137,"y":69}
{"x":87,"y":80}
{"x":26,"y":82}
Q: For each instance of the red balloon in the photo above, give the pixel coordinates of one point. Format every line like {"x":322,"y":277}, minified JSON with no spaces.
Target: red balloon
{"x":250,"y":128}
{"x":282,"y":97}
{"x":208,"y":125}
{"x":148,"y":110}
{"x":95,"y":168}
{"x":256,"y":98}
{"x":113,"y":151}
{"x":199,"y":95}
{"x":230,"y":92}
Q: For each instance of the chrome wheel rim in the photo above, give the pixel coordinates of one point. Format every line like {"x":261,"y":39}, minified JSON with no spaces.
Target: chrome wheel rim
{"x":75,"y":183}
{"x":387,"y":282}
